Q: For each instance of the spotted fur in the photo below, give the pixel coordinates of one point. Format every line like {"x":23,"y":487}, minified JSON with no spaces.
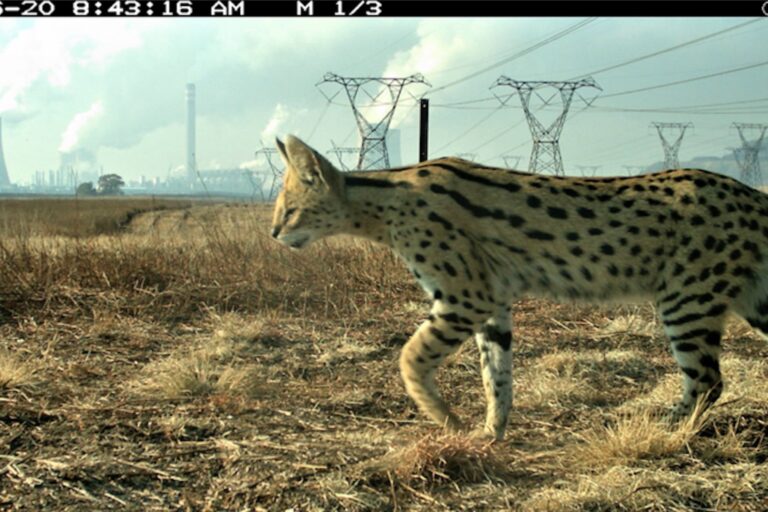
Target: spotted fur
{"x":476,"y":238}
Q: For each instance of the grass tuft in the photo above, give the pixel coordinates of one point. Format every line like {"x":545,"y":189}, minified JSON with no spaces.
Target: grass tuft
{"x":209,"y":370}
{"x":589,"y":377}
{"x":437,"y":459}
{"x":640,"y":436}
{"x":16,"y":373}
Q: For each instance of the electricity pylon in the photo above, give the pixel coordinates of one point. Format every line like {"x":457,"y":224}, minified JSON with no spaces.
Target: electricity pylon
{"x":4,"y":179}
{"x":340,"y":151}
{"x":671,"y":160}
{"x":588,"y":170}
{"x":373,"y":145}
{"x":467,"y":156}
{"x":747,"y":156}
{"x":508,"y":159}
{"x":545,"y":155}
{"x":277,"y":172}
{"x":633,"y":170}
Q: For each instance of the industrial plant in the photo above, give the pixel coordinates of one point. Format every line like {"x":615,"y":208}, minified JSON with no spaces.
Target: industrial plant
{"x":378,"y":146}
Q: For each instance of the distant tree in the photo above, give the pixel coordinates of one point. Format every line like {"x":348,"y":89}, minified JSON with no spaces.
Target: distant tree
{"x":86,"y":189}
{"x":111,"y":185}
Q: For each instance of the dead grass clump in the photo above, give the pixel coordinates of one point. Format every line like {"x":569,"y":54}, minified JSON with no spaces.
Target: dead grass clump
{"x":209,"y":370}
{"x":233,"y":330}
{"x":76,"y":217}
{"x":745,"y":392}
{"x":637,"y":437}
{"x":730,"y":444}
{"x":725,"y":487}
{"x":441,"y":458}
{"x":216,"y":256}
{"x":589,"y":376}
{"x":634,"y":323}
{"x":15,"y":372}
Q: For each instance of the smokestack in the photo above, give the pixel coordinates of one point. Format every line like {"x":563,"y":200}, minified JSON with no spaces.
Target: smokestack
{"x":191,"y":164}
{"x":5,"y":181}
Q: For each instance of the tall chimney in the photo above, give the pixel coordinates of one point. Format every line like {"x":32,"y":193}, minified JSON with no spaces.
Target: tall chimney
{"x":191,"y":164}
{"x":4,"y":179}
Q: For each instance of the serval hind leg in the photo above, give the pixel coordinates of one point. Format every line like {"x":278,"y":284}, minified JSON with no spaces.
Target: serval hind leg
{"x":694,"y":323}
{"x":494,"y":340}
{"x":435,"y":339}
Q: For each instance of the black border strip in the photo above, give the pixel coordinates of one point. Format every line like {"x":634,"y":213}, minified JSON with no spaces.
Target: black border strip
{"x":386,"y":8}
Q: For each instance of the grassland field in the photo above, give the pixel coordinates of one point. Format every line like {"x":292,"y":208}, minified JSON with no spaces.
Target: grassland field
{"x":161,"y":354}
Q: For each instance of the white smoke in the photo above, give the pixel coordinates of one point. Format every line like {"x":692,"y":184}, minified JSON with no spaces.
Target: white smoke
{"x":250,"y":165}
{"x":75,"y":128}
{"x":51,"y":52}
{"x":279,"y":116}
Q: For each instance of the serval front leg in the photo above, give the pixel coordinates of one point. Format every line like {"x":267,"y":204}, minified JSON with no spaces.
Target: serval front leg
{"x":435,"y":339}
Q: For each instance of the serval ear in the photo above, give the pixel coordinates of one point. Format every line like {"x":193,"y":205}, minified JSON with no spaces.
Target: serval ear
{"x":313,"y":168}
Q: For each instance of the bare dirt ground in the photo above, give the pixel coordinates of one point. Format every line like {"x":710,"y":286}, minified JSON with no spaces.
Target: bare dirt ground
{"x":186,"y":362}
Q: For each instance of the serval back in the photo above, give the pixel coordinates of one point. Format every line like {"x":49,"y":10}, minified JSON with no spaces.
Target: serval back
{"x":477,"y":238}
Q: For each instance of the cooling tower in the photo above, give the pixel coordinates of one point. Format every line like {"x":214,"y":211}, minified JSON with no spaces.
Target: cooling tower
{"x":191,"y":164}
{"x":4,"y":179}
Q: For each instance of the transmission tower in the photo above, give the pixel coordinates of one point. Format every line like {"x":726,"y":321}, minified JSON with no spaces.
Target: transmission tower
{"x":671,"y":150}
{"x":747,"y":156}
{"x":633,"y":170}
{"x":508,"y":159}
{"x":373,"y":146}
{"x":277,"y":172}
{"x":588,"y":170}
{"x":545,"y":155}
{"x":257,"y":184}
{"x":339,"y":152}
{"x":467,"y":156}
{"x":4,"y":179}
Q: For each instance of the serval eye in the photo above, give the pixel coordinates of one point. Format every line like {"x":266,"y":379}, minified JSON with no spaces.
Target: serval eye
{"x":477,"y":238}
{"x":288,"y":213}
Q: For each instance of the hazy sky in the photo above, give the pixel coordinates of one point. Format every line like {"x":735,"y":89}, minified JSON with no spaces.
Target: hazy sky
{"x":116,"y":87}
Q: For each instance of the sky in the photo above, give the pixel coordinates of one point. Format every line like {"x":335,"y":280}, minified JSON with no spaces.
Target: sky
{"x":116,"y":87}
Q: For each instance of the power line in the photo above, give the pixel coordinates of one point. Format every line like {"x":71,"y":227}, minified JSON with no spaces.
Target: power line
{"x":688,"y":80}
{"x":683,"y":107}
{"x":670,"y":49}
{"x":495,"y":55}
{"x":519,"y":54}
{"x":618,"y":65}
{"x":319,"y":120}
{"x":526,"y":51}
{"x":465,"y":132}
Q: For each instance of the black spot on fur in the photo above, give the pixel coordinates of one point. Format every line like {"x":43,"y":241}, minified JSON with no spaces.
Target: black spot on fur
{"x":503,"y":339}
{"x":533,"y":201}
{"x":557,"y":213}
{"x":536,"y":234}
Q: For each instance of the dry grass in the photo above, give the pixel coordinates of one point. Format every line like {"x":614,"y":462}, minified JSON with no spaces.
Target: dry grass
{"x":81,"y":217}
{"x":437,"y":459}
{"x":634,"y":438}
{"x":200,"y":373}
{"x":16,"y":372}
{"x":180,"y":360}
{"x":727,"y":487}
{"x":222,"y":258}
{"x":634,"y":323}
{"x":588,"y":377}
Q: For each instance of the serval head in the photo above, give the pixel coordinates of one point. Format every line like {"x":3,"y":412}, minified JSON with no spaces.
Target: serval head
{"x":311,"y":203}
